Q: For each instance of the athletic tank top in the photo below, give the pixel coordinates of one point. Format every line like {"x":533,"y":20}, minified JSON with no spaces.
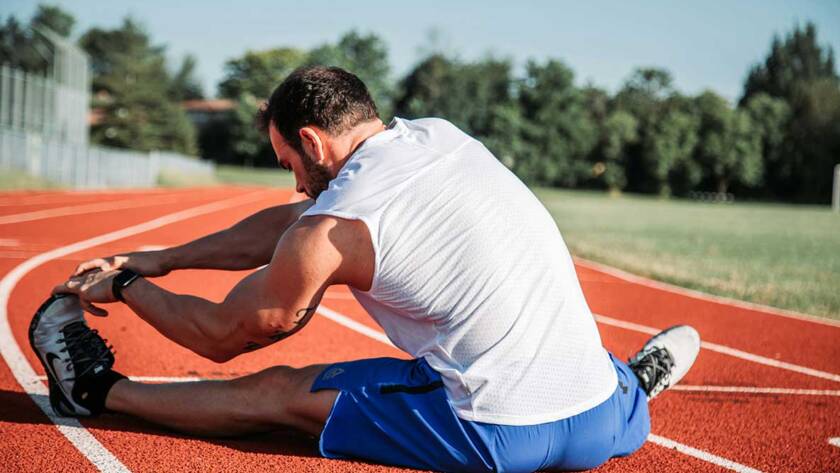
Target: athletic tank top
{"x":471,"y":273}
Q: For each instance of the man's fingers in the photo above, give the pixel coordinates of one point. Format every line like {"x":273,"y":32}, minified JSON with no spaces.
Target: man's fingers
{"x":97,"y":311}
{"x":63,"y":289}
{"x":98,"y":263}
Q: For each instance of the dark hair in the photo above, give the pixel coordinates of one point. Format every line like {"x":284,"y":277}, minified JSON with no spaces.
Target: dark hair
{"x":327,"y":97}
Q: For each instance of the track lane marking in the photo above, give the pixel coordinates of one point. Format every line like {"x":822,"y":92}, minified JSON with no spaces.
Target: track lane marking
{"x":682,"y":448}
{"x":763,"y":360}
{"x":755,"y":390}
{"x":87,"y":208}
{"x":23,"y":372}
{"x":834,"y":441}
{"x":679,"y":387}
{"x":342,"y":319}
{"x":7,"y":199}
{"x":701,"y":454}
{"x":663,"y":286}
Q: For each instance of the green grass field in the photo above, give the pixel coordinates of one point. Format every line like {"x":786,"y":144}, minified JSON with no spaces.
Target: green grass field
{"x":781,"y":255}
{"x":254,"y":176}
{"x":786,"y":256}
{"x":11,"y":179}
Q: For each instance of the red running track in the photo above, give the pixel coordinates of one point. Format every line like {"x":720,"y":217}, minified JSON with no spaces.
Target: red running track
{"x":725,"y":418}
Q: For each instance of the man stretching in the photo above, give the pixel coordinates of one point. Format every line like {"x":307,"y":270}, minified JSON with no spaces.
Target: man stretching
{"x":448,"y":251}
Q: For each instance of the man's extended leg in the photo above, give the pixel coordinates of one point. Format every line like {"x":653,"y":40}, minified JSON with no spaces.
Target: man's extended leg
{"x":263,"y":401}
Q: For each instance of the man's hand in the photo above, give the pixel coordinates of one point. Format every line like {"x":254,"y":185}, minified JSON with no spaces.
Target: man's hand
{"x":92,"y":286}
{"x":145,"y":263}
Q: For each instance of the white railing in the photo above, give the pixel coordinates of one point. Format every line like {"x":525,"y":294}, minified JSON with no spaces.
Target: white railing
{"x":29,"y":102}
{"x":83,"y":166}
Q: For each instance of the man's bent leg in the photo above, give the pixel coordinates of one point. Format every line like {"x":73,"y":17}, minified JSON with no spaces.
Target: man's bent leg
{"x":260,"y":402}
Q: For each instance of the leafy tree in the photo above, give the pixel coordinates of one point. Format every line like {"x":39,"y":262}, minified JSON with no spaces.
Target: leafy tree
{"x":561,"y":131}
{"x":54,"y":18}
{"x":22,"y":49}
{"x":16,"y":47}
{"x":249,"y":81}
{"x":770,"y":117}
{"x":132,"y":85}
{"x":424,"y":89}
{"x":815,"y":141}
{"x":619,"y":130}
{"x":801,"y":72}
{"x":259,"y":72}
{"x":647,"y":95}
{"x":791,"y":62}
{"x":185,"y":86}
{"x":474,"y":96}
{"x":669,"y":145}
{"x":729,"y":146}
{"x":367,"y":57}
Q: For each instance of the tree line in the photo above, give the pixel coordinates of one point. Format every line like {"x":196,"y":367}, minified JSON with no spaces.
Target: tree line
{"x":779,"y":141}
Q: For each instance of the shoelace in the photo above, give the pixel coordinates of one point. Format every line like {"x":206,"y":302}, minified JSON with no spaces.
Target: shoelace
{"x":85,"y":348}
{"x":654,"y":368}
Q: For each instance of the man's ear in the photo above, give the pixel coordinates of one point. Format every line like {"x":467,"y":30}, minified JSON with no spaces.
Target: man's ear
{"x":311,"y":142}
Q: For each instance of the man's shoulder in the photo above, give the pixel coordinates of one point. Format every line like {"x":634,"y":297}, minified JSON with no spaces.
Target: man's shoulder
{"x":334,"y":237}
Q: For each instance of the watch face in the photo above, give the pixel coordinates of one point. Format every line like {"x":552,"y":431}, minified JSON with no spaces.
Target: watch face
{"x":121,"y":281}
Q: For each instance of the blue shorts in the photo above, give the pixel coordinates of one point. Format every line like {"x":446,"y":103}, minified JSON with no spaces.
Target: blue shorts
{"x":396,"y":412}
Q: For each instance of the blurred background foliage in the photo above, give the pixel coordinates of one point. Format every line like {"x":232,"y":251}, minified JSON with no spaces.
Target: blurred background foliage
{"x":778,"y":141}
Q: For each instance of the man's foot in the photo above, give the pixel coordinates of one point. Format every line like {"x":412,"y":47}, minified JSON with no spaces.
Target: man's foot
{"x":77,"y":360}
{"x":666,"y":358}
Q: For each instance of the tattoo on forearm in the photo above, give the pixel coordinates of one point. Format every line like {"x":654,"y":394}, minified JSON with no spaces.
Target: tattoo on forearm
{"x":302,"y":316}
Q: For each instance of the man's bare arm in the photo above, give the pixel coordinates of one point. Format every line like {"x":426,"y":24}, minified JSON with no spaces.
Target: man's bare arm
{"x":265,"y":307}
{"x":246,"y":245}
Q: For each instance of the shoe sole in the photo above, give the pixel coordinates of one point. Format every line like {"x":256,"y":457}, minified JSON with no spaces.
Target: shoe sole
{"x":56,"y":395}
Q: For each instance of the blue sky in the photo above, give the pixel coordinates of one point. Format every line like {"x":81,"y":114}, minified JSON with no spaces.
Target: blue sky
{"x":708,"y":44}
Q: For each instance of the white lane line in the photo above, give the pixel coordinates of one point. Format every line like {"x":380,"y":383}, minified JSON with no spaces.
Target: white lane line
{"x":679,"y":387}
{"x":342,"y":319}
{"x":23,"y":372}
{"x":643,"y":281}
{"x":754,"y":390}
{"x":8,"y":199}
{"x":685,"y":449}
{"x":701,"y":454}
{"x":834,"y":441}
{"x":156,"y":379}
{"x":763,"y":360}
{"x":86,"y":208}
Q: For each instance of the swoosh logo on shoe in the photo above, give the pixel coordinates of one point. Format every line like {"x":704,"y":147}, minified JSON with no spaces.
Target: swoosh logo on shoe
{"x":49,"y":365}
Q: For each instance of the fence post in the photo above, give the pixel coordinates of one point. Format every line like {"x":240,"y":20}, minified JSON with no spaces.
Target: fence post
{"x":154,"y":168}
{"x":835,"y":197}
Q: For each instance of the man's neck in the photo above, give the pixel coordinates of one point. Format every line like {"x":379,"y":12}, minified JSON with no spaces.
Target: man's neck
{"x":345,"y":145}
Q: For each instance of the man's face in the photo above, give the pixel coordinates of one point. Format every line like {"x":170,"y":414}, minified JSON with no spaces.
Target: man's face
{"x":311,"y":178}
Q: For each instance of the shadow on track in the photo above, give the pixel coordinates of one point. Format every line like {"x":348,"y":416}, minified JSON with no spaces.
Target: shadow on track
{"x":17,"y":408}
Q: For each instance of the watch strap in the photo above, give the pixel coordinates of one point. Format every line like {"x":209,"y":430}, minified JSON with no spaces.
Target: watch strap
{"x":122,"y":281}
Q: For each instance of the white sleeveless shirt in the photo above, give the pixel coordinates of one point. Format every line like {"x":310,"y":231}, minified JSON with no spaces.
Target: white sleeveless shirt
{"x":471,"y":274}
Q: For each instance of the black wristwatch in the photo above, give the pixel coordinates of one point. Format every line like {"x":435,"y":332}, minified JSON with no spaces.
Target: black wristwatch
{"x":122,"y":281}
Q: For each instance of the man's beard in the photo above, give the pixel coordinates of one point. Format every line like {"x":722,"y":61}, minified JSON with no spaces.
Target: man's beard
{"x":318,"y":175}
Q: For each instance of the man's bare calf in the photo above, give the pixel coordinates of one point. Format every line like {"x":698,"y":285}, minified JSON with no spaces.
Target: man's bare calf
{"x":264,"y":401}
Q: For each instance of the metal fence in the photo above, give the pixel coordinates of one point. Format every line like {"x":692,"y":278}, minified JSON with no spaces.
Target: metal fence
{"x":83,"y":166}
{"x":40,"y":104}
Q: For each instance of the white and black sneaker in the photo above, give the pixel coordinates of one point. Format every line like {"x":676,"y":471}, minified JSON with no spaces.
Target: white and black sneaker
{"x":666,"y":358}
{"x":77,"y":360}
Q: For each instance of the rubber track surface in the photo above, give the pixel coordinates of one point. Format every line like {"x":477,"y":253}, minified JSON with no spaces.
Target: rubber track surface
{"x":766,"y":432}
